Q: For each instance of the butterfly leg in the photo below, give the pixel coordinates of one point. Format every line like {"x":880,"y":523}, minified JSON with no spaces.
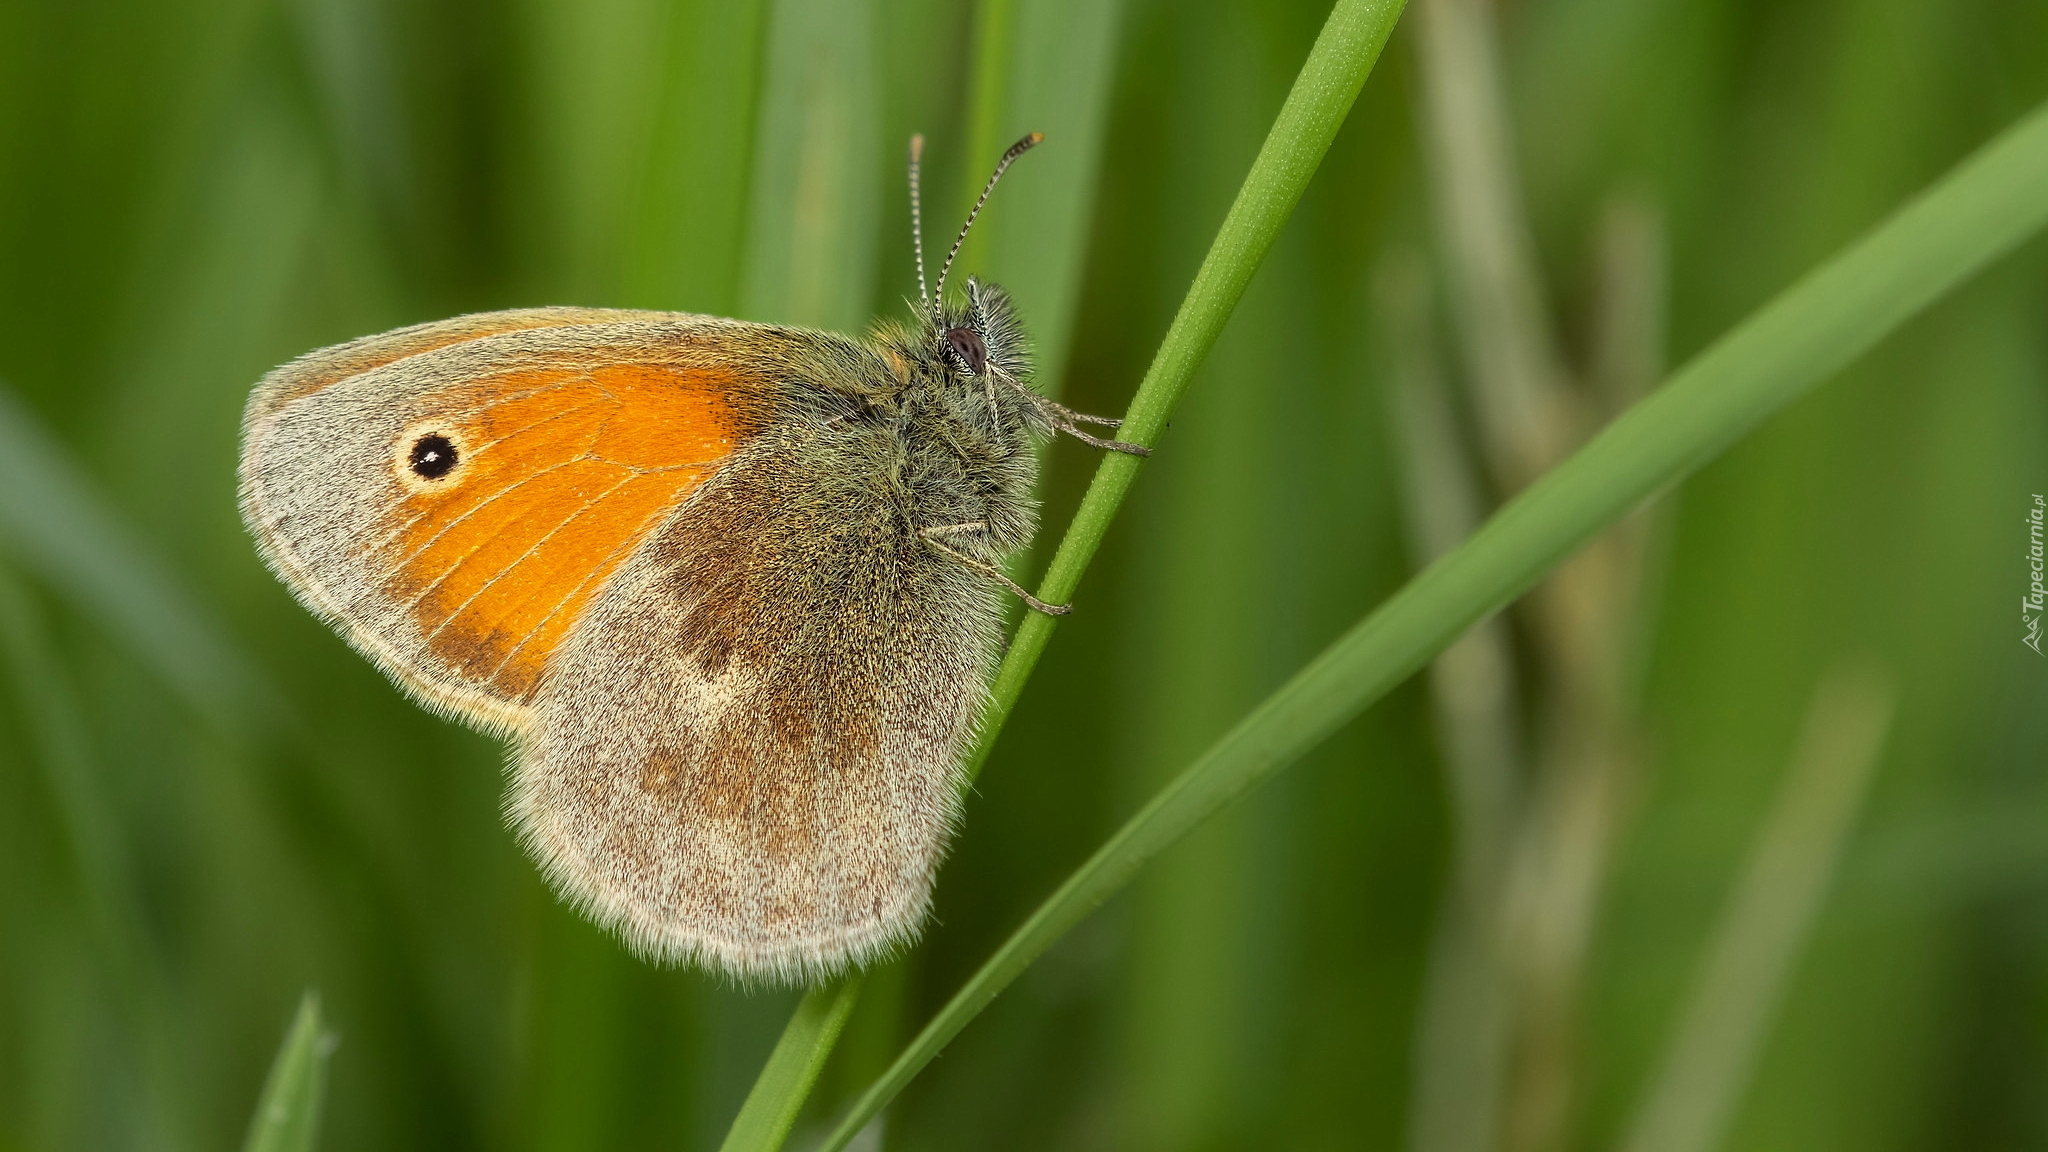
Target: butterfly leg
{"x":1084,"y":418}
{"x":930,"y":537}
{"x":1067,"y":420}
{"x":1110,"y":445}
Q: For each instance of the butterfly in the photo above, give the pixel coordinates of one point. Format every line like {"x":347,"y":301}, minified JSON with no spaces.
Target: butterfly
{"x":732,"y":590}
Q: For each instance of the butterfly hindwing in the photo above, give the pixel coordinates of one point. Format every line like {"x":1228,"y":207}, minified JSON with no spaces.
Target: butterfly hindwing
{"x":748,"y":757}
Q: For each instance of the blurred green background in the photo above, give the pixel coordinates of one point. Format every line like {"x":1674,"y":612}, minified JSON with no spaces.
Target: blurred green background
{"x":209,"y":804}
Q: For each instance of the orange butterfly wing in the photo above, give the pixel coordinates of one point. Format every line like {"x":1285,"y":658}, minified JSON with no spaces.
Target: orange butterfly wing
{"x":576,"y":434}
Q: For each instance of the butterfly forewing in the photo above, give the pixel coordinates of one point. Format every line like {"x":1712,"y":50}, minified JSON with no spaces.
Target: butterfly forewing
{"x":456,"y":508}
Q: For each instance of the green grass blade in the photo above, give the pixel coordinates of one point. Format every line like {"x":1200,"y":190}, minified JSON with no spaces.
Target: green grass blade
{"x":59,"y":527}
{"x":63,"y":749}
{"x":288,"y":1113}
{"x":1344,"y":53}
{"x":1984,"y":207}
{"x":1769,"y":914}
{"x":817,"y":169}
{"x":1060,"y":58}
{"x":995,"y":23}
{"x":1460,"y":1040}
{"x":58,"y":724}
{"x":785,"y":1081}
{"x":1494,"y":281}
{"x":686,"y":243}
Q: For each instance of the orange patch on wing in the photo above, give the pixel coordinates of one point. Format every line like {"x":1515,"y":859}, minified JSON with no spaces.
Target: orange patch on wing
{"x":562,"y":474}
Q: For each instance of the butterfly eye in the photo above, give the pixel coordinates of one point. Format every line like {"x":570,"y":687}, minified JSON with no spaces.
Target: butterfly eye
{"x":433,"y":457}
{"x":966,"y":343}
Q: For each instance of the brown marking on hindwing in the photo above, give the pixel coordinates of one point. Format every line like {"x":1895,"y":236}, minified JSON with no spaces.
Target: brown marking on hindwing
{"x":801,"y":680}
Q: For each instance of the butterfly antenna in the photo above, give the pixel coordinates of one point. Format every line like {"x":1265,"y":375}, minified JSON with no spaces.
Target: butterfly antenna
{"x":1009,"y":157}
{"x":917,"y":212}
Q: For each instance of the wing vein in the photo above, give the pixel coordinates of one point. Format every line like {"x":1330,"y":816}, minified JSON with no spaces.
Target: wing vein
{"x":639,"y":533}
{"x":550,"y":534}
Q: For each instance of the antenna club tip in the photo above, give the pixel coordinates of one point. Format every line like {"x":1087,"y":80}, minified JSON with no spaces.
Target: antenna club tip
{"x":917,"y":146}
{"x":1022,"y":146}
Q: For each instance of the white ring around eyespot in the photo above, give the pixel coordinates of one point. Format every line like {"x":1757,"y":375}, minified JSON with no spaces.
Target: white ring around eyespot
{"x":401,"y":457}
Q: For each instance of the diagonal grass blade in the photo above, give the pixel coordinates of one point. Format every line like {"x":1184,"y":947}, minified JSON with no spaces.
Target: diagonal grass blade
{"x":778,"y":1094}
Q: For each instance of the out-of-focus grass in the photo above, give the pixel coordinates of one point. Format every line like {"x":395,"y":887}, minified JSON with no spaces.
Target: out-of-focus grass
{"x":193,"y":191}
{"x":818,"y":165}
{"x":287,"y":1117}
{"x":52,"y":519}
{"x":1769,"y":913}
{"x":1040,"y":66}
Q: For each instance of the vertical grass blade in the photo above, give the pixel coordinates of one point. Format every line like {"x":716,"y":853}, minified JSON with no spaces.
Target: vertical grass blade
{"x":818,"y":164}
{"x":1580,"y":619}
{"x":58,"y":725}
{"x":778,"y":1095}
{"x":687,"y":244}
{"x":1981,"y":209}
{"x":1343,"y":56}
{"x":609,"y":64}
{"x":288,"y":1113}
{"x":1473,"y":683}
{"x":1061,"y":57}
{"x":1461,"y":1024}
{"x":1490,"y":255}
{"x":995,"y":23}
{"x":64,"y":751}
{"x":1770,"y":913}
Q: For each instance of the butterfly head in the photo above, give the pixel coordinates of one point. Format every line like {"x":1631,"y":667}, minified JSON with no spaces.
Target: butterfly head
{"x":982,"y":339}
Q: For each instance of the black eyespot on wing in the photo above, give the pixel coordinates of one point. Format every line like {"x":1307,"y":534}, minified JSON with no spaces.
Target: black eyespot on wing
{"x":433,"y":457}
{"x":966,"y":343}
